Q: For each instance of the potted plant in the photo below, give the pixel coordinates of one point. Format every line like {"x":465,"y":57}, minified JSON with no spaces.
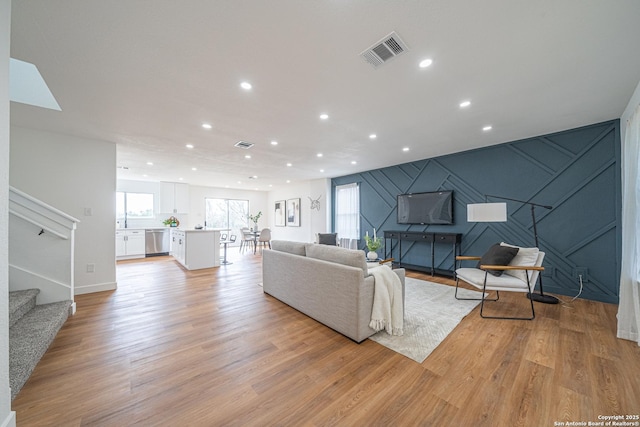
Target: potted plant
{"x":254,"y":219}
{"x":373,"y":244}
{"x":171,"y":222}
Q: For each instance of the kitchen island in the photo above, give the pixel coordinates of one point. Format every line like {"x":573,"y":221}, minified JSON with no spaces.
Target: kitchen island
{"x":196,"y":249}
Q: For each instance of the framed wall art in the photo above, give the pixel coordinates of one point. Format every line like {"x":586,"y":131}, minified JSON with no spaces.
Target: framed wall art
{"x":280,"y":213}
{"x":293,"y":212}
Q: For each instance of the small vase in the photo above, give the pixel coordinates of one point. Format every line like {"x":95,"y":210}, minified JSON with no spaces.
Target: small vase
{"x":372,"y":256}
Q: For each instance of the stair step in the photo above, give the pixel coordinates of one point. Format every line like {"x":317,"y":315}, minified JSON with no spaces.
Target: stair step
{"x":20,"y":302}
{"x":29,"y":339}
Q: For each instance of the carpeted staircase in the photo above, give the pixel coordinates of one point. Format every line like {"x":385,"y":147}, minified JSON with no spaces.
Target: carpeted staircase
{"x":32,"y":329}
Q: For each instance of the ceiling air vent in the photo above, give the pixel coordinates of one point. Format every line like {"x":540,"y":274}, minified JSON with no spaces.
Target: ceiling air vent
{"x":243,"y":144}
{"x":386,"y":49}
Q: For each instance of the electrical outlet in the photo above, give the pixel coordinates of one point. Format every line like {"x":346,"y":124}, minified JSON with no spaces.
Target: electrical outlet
{"x":91,"y":268}
{"x":581,"y":271}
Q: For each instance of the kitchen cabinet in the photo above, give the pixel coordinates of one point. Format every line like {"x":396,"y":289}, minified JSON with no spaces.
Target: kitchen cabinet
{"x":174,"y":197}
{"x":196,"y":249}
{"x":129,"y":244}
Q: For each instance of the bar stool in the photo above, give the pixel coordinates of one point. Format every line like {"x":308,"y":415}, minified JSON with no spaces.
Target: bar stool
{"x":232,"y":239}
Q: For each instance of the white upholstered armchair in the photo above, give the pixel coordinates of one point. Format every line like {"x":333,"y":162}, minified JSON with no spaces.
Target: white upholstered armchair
{"x":504,"y":268}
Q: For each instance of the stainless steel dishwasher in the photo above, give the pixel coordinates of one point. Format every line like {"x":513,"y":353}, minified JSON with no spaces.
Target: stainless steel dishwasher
{"x":156,"y":242}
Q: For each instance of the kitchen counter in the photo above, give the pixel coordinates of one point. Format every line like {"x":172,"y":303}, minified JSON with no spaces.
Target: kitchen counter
{"x":196,"y":249}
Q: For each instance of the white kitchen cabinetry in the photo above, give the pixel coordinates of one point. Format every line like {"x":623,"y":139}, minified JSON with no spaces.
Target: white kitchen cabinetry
{"x":174,"y":197}
{"x":196,"y":249}
{"x":129,"y":244}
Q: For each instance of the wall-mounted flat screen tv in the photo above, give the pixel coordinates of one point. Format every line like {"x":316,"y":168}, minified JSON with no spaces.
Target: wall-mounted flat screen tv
{"x":434,"y":207}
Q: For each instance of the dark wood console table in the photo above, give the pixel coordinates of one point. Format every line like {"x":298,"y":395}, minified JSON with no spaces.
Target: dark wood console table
{"x":425,"y":237}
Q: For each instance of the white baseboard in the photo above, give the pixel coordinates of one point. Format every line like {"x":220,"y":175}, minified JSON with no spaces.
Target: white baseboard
{"x":97,"y":287}
{"x":10,"y":420}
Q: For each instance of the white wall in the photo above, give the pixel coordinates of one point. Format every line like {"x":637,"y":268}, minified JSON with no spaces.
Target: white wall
{"x":7,"y":418}
{"x":634,"y":102}
{"x":74,"y":175}
{"x":312,"y":221}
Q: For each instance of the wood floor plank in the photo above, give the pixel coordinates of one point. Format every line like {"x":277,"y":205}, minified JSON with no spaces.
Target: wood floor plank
{"x":209,"y":348}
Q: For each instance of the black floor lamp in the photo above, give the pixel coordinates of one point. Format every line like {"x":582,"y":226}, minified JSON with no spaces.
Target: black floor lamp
{"x":497,"y":212}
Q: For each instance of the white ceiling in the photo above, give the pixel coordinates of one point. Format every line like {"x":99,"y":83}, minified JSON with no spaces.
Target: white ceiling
{"x":147,"y":74}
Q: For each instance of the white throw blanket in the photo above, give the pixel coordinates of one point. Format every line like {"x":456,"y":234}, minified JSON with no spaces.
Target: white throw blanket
{"x":388,"y":312}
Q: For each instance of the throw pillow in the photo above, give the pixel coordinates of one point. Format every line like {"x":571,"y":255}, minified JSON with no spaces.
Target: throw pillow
{"x":497,"y":255}
{"x":328,"y":239}
{"x":526,"y":257}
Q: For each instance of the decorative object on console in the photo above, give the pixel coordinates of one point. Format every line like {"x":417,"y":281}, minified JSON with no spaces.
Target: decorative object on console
{"x":497,"y":212}
{"x":293,"y":212}
{"x":373,"y":244}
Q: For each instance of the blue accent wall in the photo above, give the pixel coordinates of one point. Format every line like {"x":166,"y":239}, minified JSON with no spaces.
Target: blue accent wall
{"x":575,"y":171}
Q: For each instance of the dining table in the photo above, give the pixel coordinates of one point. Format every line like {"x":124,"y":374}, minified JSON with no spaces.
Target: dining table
{"x":255,"y":235}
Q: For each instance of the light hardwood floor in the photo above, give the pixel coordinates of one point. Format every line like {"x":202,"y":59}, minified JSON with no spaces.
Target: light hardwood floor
{"x":208,"y":348}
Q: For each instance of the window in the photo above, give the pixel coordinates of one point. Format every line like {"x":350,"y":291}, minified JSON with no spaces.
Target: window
{"x":226,"y":213}
{"x":134,"y":206}
{"x":347,"y":213}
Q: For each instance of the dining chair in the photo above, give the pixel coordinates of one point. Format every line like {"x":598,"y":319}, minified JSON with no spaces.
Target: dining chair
{"x":265,"y":238}
{"x":247,"y":239}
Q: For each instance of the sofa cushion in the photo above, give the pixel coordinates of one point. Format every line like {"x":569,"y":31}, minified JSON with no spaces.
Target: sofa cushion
{"x":344,"y":256}
{"x":295,"y":248}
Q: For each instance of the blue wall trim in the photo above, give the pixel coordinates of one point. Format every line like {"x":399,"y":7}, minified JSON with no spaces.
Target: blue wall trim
{"x":576,"y":171}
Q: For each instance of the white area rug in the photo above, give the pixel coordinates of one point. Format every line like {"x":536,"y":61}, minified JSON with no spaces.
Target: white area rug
{"x":431,"y":313}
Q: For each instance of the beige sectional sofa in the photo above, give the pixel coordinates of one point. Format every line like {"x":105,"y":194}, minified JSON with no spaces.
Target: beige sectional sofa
{"x":328,"y":283}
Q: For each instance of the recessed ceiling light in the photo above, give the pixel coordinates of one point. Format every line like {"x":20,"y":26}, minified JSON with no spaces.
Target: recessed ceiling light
{"x":145,"y":175}
{"x":194,"y":169}
{"x":246,"y":85}
{"x":321,"y":170}
{"x":405,"y":149}
{"x":319,"y":155}
{"x":486,"y":128}
{"x":465,"y":104}
{"x":353,"y":162}
{"x":189,"y":145}
{"x":373,"y":136}
{"x":425,"y":63}
{"x":274,"y":142}
{"x":239,"y":182}
{"x":150,"y":163}
{"x":206,"y":126}
{"x":289,"y":164}
{"x":248,"y":156}
{"x":324,"y":116}
{"x":180,"y":179}
{"x":288,"y":181}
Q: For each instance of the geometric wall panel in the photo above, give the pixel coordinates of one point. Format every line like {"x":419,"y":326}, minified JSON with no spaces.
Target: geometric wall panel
{"x":576,"y":171}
